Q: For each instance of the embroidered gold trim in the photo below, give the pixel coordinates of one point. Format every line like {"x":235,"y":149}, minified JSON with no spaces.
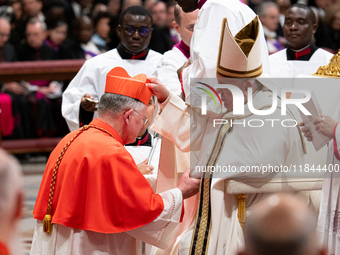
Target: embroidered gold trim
{"x":197,"y":246}
{"x":242,"y":210}
{"x":239,"y":74}
{"x":332,"y":69}
{"x":200,"y":238}
{"x":47,"y":222}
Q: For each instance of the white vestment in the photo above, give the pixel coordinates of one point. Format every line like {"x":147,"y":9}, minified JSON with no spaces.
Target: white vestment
{"x":166,"y":71}
{"x":64,"y":240}
{"x":329,"y":215}
{"x":140,"y":153}
{"x":206,"y":38}
{"x":241,"y":147}
{"x":91,"y":79}
{"x":173,"y":162}
{"x":280,"y":67}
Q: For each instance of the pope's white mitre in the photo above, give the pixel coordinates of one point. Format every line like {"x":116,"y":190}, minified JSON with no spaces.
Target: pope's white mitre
{"x":239,"y":56}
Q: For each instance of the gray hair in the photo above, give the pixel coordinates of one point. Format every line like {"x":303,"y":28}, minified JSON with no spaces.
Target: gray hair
{"x":115,"y":103}
{"x":34,"y":21}
{"x":262,"y":10}
{"x":10,"y":181}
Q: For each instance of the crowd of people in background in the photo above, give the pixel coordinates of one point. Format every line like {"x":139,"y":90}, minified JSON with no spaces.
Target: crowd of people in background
{"x":83,"y":29}
{"x":174,"y":44}
{"x":91,"y":24}
{"x":72,"y":29}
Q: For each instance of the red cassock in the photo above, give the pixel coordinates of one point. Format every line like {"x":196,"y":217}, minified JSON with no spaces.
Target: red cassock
{"x":98,"y":186}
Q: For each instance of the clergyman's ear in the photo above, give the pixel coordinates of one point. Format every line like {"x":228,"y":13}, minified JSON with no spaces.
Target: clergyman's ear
{"x":119,"y":30}
{"x":315,"y":27}
{"x":175,"y":26}
{"x":127,"y":116}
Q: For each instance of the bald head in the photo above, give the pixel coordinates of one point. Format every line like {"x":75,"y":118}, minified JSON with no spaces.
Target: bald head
{"x":10,"y":179}
{"x":11,"y":196}
{"x":281,"y":224}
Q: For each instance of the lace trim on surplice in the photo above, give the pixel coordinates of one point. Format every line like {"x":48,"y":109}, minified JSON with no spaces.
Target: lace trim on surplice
{"x":329,"y":220}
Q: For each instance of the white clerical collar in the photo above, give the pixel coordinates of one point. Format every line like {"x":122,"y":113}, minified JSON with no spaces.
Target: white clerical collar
{"x":301,"y":49}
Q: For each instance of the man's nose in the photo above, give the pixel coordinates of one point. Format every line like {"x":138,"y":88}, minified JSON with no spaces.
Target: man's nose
{"x":293,"y":26}
{"x":136,"y":35}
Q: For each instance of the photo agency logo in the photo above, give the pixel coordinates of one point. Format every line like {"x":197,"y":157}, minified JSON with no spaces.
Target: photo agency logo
{"x":280,"y":100}
{"x":209,"y":90}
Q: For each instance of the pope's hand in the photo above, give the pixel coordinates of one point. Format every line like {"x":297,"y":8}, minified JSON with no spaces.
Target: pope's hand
{"x":158,"y":89}
{"x":325,"y":125}
{"x":189,"y":186}
{"x":306,"y":132}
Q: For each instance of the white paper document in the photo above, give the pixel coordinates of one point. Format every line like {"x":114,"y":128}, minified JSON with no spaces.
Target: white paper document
{"x":313,"y":107}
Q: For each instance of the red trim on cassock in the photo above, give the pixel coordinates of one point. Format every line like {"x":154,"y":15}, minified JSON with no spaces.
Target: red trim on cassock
{"x":336,"y":152}
{"x":182,"y":213}
{"x":182,"y":88}
{"x":141,"y":142}
{"x":302,"y":53}
{"x":140,"y":55}
{"x":98,"y":185}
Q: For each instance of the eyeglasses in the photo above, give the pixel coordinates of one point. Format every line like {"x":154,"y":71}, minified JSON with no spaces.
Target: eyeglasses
{"x":146,"y":119}
{"x":143,"y":31}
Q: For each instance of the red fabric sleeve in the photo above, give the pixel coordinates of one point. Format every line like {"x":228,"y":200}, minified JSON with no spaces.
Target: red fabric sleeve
{"x":98,"y":186}
{"x":336,"y":152}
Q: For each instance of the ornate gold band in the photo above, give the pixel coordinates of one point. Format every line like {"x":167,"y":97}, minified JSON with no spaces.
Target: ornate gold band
{"x":201,"y":233}
{"x":224,"y":72}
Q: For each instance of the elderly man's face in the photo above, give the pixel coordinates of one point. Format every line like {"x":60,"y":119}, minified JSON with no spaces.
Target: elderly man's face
{"x":227,"y":96}
{"x":136,"y":125}
{"x":35,"y":35}
{"x":271,"y":19}
{"x":150,"y":111}
{"x":298,"y":28}
{"x":135,"y":32}
{"x":5,"y":30}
